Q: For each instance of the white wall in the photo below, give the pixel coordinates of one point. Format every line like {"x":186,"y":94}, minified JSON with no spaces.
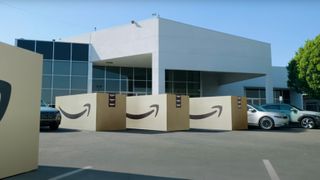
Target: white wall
{"x":122,"y":41}
{"x":183,"y":46}
{"x":175,"y":45}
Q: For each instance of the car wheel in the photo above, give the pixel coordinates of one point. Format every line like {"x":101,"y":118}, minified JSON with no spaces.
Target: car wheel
{"x":54,"y":126}
{"x":266,"y":123}
{"x":307,"y":123}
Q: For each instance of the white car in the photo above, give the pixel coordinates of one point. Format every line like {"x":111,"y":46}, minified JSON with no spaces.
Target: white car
{"x":264,"y":119}
{"x":307,"y":119}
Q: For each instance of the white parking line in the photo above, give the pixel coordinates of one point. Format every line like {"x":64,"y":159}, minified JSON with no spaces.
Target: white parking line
{"x":272,"y":173}
{"x":70,"y":173}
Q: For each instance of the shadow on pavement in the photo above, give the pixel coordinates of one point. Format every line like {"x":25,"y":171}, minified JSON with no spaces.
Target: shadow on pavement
{"x":47,"y":172}
{"x":206,"y":131}
{"x":140,"y":131}
{"x":60,"y":130}
{"x":280,"y":130}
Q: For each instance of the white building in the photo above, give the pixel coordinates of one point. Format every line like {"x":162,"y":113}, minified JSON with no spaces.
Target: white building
{"x":173,"y":57}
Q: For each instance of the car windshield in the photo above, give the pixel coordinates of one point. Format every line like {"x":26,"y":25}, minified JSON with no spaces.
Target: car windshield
{"x":43,"y":104}
{"x":297,"y":108}
{"x":257,"y":107}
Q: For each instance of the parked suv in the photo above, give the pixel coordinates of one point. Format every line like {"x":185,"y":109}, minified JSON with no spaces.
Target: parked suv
{"x":307,"y":119}
{"x":49,"y":116}
{"x":265,"y":120}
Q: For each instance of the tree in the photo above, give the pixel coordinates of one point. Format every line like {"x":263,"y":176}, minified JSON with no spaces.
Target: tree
{"x":304,"y":69}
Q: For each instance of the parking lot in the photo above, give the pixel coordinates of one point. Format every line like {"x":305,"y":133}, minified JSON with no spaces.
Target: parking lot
{"x":197,"y":154}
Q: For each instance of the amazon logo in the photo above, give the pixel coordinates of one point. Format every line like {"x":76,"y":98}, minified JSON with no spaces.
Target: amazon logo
{"x":155,"y":108}
{"x":216,"y":109}
{"x":5,"y":94}
{"x":77,"y":115}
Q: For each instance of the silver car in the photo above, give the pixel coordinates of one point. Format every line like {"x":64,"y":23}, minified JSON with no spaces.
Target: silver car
{"x":307,"y":119}
{"x":264,"y":119}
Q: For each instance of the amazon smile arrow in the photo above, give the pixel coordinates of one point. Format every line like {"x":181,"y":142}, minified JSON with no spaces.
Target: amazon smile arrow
{"x":77,"y":115}
{"x":5,"y":94}
{"x":141,"y":116}
{"x":202,"y":116}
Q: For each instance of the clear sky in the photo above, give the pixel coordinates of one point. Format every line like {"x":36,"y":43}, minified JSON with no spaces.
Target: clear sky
{"x":285,"y":24}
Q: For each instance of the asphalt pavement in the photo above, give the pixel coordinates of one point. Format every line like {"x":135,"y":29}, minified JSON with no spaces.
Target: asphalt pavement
{"x":285,"y":153}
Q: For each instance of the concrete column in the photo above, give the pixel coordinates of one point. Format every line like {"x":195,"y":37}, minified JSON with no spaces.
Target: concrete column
{"x":158,"y":75}
{"x":269,"y":88}
{"x":90,"y":69}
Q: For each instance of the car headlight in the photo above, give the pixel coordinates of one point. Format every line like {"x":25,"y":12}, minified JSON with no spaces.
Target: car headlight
{"x":58,"y":116}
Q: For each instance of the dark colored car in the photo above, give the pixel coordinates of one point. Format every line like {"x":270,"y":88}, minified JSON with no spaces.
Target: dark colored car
{"x":49,"y":116}
{"x":306,"y":119}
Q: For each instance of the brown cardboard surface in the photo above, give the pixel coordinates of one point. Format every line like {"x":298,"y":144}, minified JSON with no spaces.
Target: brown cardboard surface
{"x":239,"y":113}
{"x":157,"y":112}
{"x":111,"y":118}
{"x":19,"y":127}
{"x":101,"y":117}
{"x":178,"y":118}
{"x":217,"y":113}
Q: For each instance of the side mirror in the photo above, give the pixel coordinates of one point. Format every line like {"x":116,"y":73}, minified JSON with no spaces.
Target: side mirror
{"x":252,"y":110}
{"x":294,"y":110}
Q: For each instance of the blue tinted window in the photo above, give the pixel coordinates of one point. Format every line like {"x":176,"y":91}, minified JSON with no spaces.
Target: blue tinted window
{"x":78,"y":82}
{"x":26,"y":44}
{"x":61,"y":67}
{"x":62,"y":51}
{"x":98,"y":71}
{"x":97,"y":85}
{"x":124,"y":85}
{"x":45,"y":48}
{"x":47,"y":67}
{"x":46,"y":81}
{"x":46,"y":95}
{"x":80,"y":52}
{"x":112,"y":72}
{"x":79,"y":68}
{"x":61,"y":82}
{"x":112,"y":85}
{"x":78,"y":91}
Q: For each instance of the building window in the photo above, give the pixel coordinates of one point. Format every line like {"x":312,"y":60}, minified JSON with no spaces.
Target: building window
{"x":26,"y":44}
{"x":45,"y":48}
{"x":183,"y":82}
{"x":61,"y":67}
{"x":62,"y":51}
{"x":61,"y":75}
{"x":124,"y":80}
{"x":47,"y":67}
{"x":284,"y":93}
{"x":256,"y":96}
{"x":80,"y":52}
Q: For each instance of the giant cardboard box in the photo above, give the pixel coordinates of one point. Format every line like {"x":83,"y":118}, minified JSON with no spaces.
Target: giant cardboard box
{"x":165,"y":112}
{"x":94,"y":111}
{"x":20,"y":95}
{"x":218,"y":113}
